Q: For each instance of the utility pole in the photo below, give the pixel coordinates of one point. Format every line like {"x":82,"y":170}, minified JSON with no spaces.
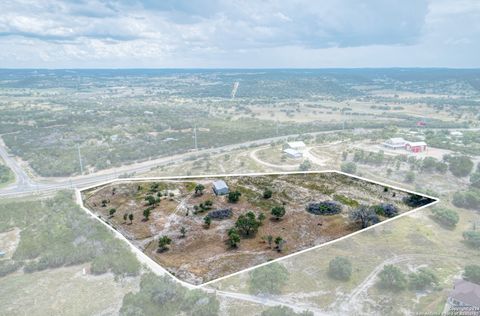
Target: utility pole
{"x":80,"y":158}
{"x":195,"y":136}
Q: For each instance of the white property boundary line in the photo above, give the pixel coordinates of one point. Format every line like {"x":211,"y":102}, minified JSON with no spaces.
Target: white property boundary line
{"x":159,"y":270}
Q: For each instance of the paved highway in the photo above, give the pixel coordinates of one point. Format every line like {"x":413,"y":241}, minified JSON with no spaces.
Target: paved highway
{"x":25,"y":185}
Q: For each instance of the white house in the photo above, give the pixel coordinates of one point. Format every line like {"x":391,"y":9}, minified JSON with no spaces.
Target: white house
{"x":395,"y":143}
{"x":292,"y":153}
{"x":298,"y":146}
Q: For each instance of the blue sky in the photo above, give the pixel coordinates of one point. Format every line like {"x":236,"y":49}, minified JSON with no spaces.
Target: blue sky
{"x":224,"y":33}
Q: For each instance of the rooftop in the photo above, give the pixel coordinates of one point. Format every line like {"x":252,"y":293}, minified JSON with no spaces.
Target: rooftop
{"x":466,"y":292}
{"x":417,"y":143}
{"x":291,"y":151}
{"x":220,"y":184}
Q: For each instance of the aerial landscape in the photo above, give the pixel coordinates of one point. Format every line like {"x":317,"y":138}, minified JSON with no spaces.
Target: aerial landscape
{"x":213,"y":157}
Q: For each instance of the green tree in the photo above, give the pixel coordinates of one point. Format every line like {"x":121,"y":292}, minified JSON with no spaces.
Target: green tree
{"x":472,"y":273}
{"x":130,"y":217}
{"x":233,"y":196}
{"x":233,"y":238}
{"x":340,"y":268}
{"x":112,"y":212}
{"x":267,"y":193}
{"x":279,"y":241}
{"x":261,"y":217}
{"x":270,"y":240}
{"x":183,"y":231}
{"x":146,"y":213}
{"x":125,"y":217}
{"x":268,"y":279}
{"x":199,"y":189}
{"x":392,"y":278}
{"x":150,"y":200}
{"x":208,"y":221}
{"x":422,"y":279}
{"x":247,"y":224}
{"x":163,"y":243}
{"x":278,"y":212}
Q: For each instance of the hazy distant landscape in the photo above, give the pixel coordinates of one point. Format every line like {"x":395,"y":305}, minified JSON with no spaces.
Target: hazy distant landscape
{"x":123,"y":116}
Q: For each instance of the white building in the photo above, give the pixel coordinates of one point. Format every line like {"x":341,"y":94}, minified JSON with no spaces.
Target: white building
{"x":220,"y":187}
{"x":292,"y":153}
{"x":298,"y":146}
{"x":395,"y":143}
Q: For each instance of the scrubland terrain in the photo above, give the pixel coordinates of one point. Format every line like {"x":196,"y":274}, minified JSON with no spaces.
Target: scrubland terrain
{"x":202,"y":252}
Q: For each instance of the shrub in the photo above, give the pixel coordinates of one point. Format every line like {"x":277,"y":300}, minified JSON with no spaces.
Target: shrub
{"x":269,"y":279}
{"x":278,"y":212}
{"x":324,"y":208}
{"x":233,"y":196}
{"x":475,"y":180}
{"x":472,"y":237}
{"x":267,"y":194}
{"x":7,"y":267}
{"x":415,"y":200}
{"x":220,"y":214}
{"x":469,"y":199}
{"x":386,"y":209}
{"x":460,"y":166}
{"x":422,"y":279}
{"x":365,"y":215}
{"x":472,"y":273}
{"x":392,"y":278}
{"x":445,"y":216}
{"x":340,"y":268}
{"x":163,"y":296}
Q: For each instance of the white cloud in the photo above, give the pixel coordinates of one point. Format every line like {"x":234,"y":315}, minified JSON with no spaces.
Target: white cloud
{"x":226,"y":33}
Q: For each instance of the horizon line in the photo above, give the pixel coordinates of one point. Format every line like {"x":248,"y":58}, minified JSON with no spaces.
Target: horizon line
{"x":243,"y":68}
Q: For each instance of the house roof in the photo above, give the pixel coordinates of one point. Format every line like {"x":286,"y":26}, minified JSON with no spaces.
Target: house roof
{"x":291,"y":151}
{"x":296,"y":144}
{"x":396,"y":140}
{"x":220,"y":184}
{"x":417,"y":143}
{"x":466,"y":292}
